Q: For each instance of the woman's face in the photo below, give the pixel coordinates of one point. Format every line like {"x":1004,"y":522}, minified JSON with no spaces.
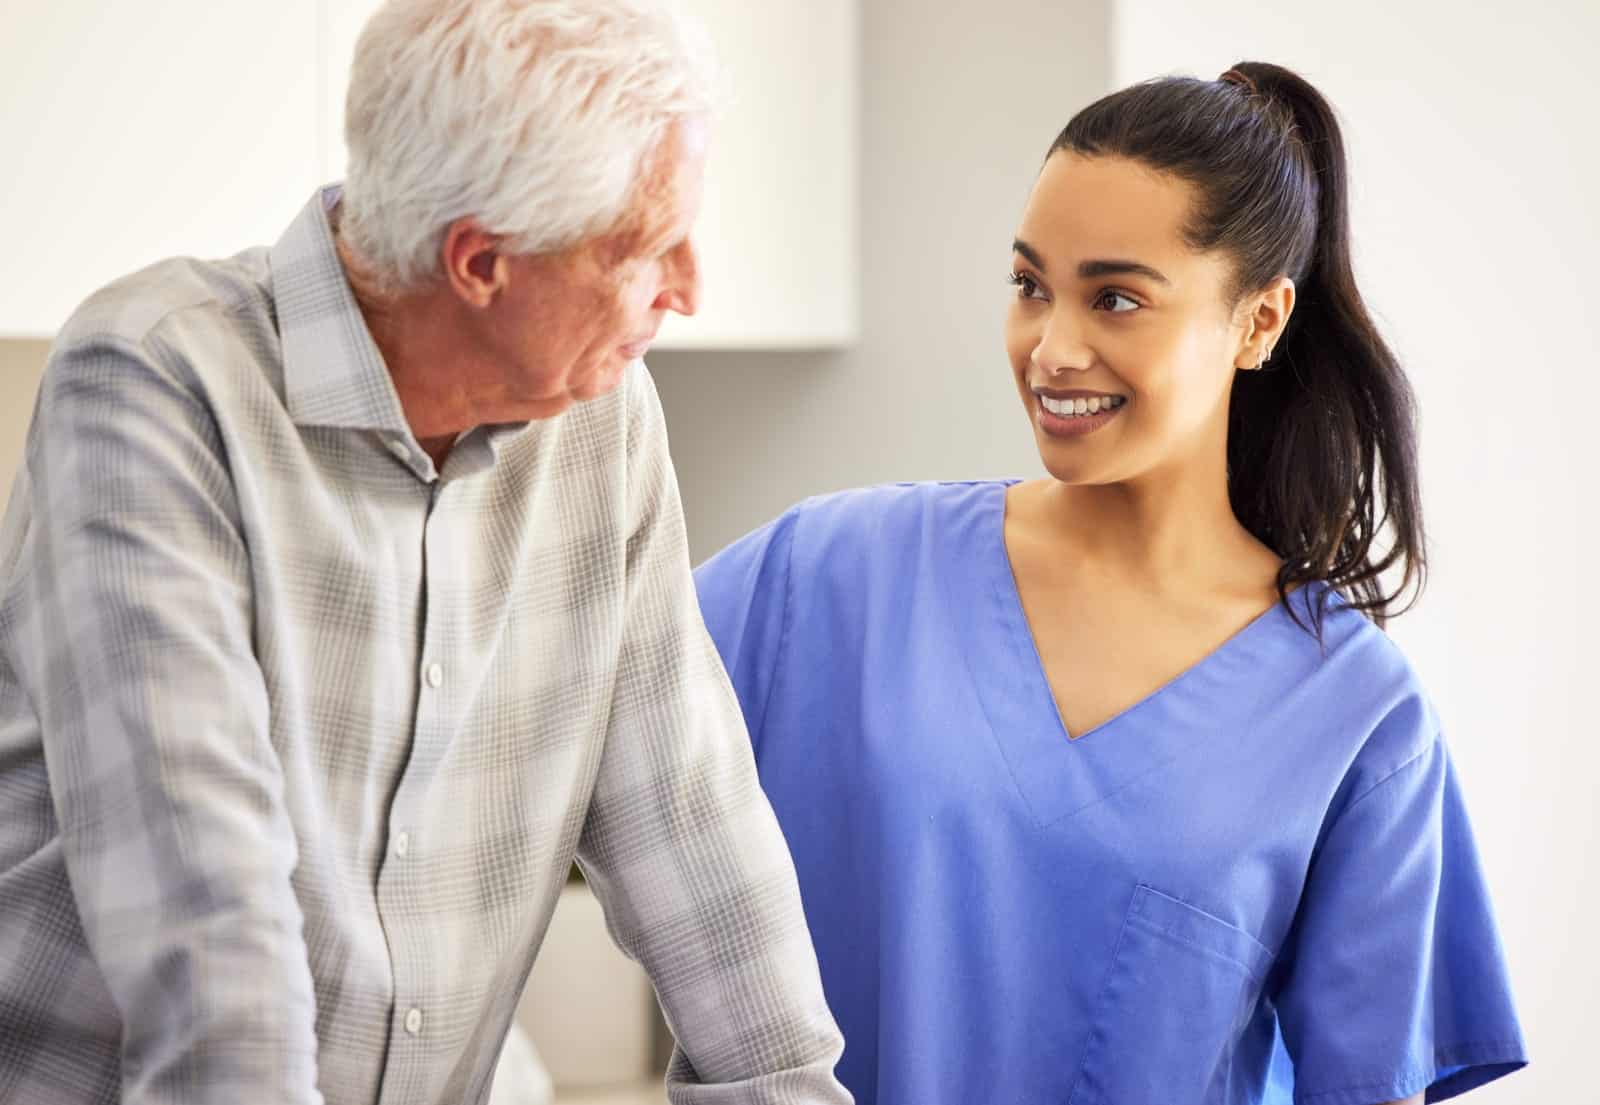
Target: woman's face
{"x":1117,"y":320}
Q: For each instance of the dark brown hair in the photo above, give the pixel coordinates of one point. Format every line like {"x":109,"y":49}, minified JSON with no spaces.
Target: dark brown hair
{"x":1321,"y":444}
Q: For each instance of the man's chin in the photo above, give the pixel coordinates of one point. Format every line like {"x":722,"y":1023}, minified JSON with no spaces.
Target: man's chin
{"x":597,"y":386}
{"x":603,"y":383}
{"x":538,"y":410}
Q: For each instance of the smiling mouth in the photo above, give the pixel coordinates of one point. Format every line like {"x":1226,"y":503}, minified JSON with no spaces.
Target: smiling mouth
{"x":1079,"y":404}
{"x":1077,"y":415}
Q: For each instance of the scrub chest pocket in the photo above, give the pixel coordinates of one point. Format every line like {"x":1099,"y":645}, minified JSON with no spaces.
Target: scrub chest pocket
{"x":1177,"y":994}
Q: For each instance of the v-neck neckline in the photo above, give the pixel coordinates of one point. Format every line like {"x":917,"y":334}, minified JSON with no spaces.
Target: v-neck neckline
{"x":1013,"y":593}
{"x":1058,"y":773}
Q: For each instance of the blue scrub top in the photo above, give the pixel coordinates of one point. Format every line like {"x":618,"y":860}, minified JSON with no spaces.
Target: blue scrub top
{"x":1256,"y":885}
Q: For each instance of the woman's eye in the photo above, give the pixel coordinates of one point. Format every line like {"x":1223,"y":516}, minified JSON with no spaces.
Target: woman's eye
{"x":1027,"y":287}
{"x":1116,"y":302}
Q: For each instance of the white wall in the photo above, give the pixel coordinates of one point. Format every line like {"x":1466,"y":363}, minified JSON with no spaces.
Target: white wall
{"x":1473,"y":145}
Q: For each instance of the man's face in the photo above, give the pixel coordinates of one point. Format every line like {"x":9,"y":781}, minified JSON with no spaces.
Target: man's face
{"x":569,"y":323}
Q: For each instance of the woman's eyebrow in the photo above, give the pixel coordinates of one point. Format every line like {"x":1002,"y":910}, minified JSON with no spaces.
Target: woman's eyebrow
{"x":1089,"y":270}
{"x":1028,"y":252}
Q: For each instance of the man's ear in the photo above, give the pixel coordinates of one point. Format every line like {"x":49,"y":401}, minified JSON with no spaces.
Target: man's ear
{"x":474,"y":266}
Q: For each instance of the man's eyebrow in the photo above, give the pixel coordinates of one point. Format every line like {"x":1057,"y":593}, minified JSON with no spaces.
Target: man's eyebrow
{"x":1089,"y":270}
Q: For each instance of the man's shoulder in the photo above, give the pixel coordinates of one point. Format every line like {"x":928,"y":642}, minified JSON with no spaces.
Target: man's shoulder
{"x":174,"y":298}
{"x":207,"y":328}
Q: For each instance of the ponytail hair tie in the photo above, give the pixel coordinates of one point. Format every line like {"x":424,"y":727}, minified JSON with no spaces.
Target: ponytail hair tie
{"x":1233,"y":76}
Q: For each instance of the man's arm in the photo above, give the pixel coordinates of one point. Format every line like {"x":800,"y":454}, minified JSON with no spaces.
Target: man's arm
{"x":681,"y":845}
{"x":135,"y":647}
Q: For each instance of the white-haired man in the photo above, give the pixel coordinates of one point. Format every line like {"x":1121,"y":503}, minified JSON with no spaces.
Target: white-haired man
{"x":344,"y":600}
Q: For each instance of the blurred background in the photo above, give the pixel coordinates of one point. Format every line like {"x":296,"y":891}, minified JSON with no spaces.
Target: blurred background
{"x":856,"y":239}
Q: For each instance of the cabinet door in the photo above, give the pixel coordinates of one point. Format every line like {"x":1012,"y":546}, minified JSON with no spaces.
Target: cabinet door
{"x":778,"y":231}
{"x":134,"y":132}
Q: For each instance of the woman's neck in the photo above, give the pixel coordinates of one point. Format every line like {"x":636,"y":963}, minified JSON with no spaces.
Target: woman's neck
{"x":1162,"y":533}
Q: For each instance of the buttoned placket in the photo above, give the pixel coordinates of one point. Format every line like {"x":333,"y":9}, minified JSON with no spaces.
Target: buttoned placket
{"x":398,"y":886}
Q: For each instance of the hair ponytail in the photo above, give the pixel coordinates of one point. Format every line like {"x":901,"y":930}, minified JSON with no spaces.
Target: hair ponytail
{"x":1322,"y":444}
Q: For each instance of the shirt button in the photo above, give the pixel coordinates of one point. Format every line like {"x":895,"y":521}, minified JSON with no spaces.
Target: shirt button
{"x":402,"y":845}
{"x":435,"y":674}
{"x":414,"y":1021}
{"x":400,"y":449}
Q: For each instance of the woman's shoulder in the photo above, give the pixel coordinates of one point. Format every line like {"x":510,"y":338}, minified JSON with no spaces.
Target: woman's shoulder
{"x":852,"y":531}
{"x":835,"y":566}
{"x":1350,"y":642}
{"x":853,"y":549}
{"x":1360,"y":679}
{"x":878,"y":518}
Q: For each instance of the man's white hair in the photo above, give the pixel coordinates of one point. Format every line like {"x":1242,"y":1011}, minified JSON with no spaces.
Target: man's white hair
{"x":533,"y":116}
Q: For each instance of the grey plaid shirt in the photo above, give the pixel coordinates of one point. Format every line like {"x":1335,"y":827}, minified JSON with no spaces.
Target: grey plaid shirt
{"x":299,"y":736}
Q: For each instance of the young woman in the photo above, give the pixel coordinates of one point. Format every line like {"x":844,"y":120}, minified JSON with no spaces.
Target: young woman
{"x":1109,"y":787}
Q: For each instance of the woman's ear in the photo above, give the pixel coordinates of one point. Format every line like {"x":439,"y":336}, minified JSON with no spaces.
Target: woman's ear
{"x":1267,"y":313}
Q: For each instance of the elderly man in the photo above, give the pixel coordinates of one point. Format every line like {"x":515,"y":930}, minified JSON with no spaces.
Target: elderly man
{"x":344,"y":600}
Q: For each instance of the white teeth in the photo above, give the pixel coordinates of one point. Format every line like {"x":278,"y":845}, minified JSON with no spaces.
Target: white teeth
{"x":1077,"y":408}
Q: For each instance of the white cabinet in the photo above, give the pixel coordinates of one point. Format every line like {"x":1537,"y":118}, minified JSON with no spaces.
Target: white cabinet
{"x":134,"y":132}
{"x":779,"y":227}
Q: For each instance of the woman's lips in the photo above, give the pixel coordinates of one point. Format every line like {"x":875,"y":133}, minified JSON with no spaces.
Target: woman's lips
{"x":1075,"y":425}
